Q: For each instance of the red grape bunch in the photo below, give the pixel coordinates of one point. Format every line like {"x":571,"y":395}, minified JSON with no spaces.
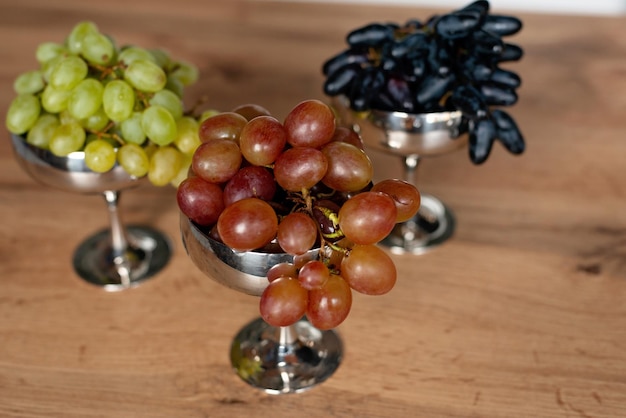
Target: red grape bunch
{"x":256,"y":184}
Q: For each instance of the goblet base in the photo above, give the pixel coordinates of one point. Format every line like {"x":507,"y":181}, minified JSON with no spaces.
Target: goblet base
{"x":285,"y":360}
{"x":147,"y":253}
{"x":433,"y":225}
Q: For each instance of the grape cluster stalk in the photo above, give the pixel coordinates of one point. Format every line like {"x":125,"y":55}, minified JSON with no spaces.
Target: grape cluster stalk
{"x":259,"y":184}
{"x":448,"y":62}
{"x":120,"y":105}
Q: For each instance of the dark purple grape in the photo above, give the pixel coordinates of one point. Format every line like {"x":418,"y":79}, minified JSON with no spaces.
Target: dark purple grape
{"x":347,"y":57}
{"x":482,"y":133}
{"x":506,"y":78}
{"x":468,"y":100}
{"x":432,"y":88}
{"x":417,"y":41}
{"x":396,"y":96}
{"x":507,"y":132}
{"x":341,"y":80}
{"x":498,"y":95}
{"x":510,"y":52}
{"x":502,"y":25}
{"x":366,"y":86}
{"x":372,"y":35}
{"x":457,"y":25}
{"x":486,"y":43}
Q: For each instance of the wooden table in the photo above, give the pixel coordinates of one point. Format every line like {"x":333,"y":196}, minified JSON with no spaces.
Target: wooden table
{"x":521,"y":314}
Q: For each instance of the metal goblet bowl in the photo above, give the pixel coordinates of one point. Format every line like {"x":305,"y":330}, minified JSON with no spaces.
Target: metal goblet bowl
{"x":412,"y":137}
{"x":117,"y":257}
{"x":277,"y":360}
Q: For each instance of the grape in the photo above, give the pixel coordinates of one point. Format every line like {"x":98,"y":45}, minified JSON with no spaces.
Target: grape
{"x":406,"y":197}
{"x":133,"y":53}
{"x":164,"y":165}
{"x":145,"y":75}
{"x":131,"y":129}
{"x":168,"y":100}
{"x":200,"y":200}
{"x":349,"y":136}
{"x":330,"y":304}
{"x":67,"y":138}
{"x":133,"y":159}
{"x":250,"y":181}
{"x":311,"y":123}
{"x":297,"y":233}
{"x":185,"y":72}
{"x":247,"y":224}
{"x":85,"y":99}
{"x":54,"y":100}
{"x":369,"y":270}
{"x":96,"y":122}
{"x":30,"y":82}
{"x":39,"y":135}
{"x":226,"y":125}
{"x":313,"y":275}
{"x":187,"y":139}
{"x":97,"y":48}
{"x":368,"y":217}
{"x":217,"y":161}
{"x":118,"y":100}
{"x":262,"y":140}
{"x":49,"y":50}
{"x":300,"y":168}
{"x":251,"y":111}
{"x":282,"y":270}
{"x":23,"y":112}
{"x":77,"y":35}
{"x":283,"y":302}
{"x":159,"y":125}
{"x":349,"y":168}
{"x":68,"y":72}
{"x":100,"y":156}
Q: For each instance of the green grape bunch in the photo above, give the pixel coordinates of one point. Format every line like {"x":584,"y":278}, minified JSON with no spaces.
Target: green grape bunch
{"x":120,"y":105}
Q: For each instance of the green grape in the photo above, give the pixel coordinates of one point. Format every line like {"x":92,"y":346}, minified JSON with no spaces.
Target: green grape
{"x":41,"y":132}
{"x":207,"y":114}
{"x":161,"y":57}
{"x":131,"y":129}
{"x":97,"y":48}
{"x":159,"y":125}
{"x":76,"y":37}
{"x":48,"y":66}
{"x":67,"y":138}
{"x":100,"y":156}
{"x":175,"y":85}
{"x":133,"y":159}
{"x":169,"y":100}
{"x":65,"y":117}
{"x":96,"y":122}
{"x":183,"y":171}
{"x":118,"y":100}
{"x":134,"y":53}
{"x":30,"y":82}
{"x":49,"y":50}
{"x":164,"y":165}
{"x":187,"y":139}
{"x":68,"y":72}
{"x":54,"y":100}
{"x":145,"y":75}
{"x":85,"y":99}
{"x":23,"y":112}
{"x":186,"y":72}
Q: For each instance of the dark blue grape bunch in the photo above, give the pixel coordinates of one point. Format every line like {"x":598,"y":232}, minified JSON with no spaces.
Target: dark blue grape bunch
{"x":448,"y":62}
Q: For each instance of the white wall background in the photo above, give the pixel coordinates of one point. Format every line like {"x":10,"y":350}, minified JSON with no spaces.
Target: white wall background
{"x":591,"y":7}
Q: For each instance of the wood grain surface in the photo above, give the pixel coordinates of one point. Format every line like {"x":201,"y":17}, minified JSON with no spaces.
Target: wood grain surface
{"x":521,"y":314}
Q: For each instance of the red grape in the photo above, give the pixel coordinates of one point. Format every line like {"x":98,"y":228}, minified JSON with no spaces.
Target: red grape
{"x":250,"y":181}
{"x":368,"y":269}
{"x":330,"y":304}
{"x":226,"y":125}
{"x":200,"y":200}
{"x":368,"y":217}
{"x":251,"y":111}
{"x":262,"y":140}
{"x":405,"y":196}
{"x":313,"y":275}
{"x":247,"y":224}
{"x":297,"y":233}
{"x":311,"y":123}
{"x":349,"y":168}
{"x":343,"y":134}
{"x":216,"y":161}
{"x":283,"y":302}
{"x":300,"y":168}
{"x":282,"y":270}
